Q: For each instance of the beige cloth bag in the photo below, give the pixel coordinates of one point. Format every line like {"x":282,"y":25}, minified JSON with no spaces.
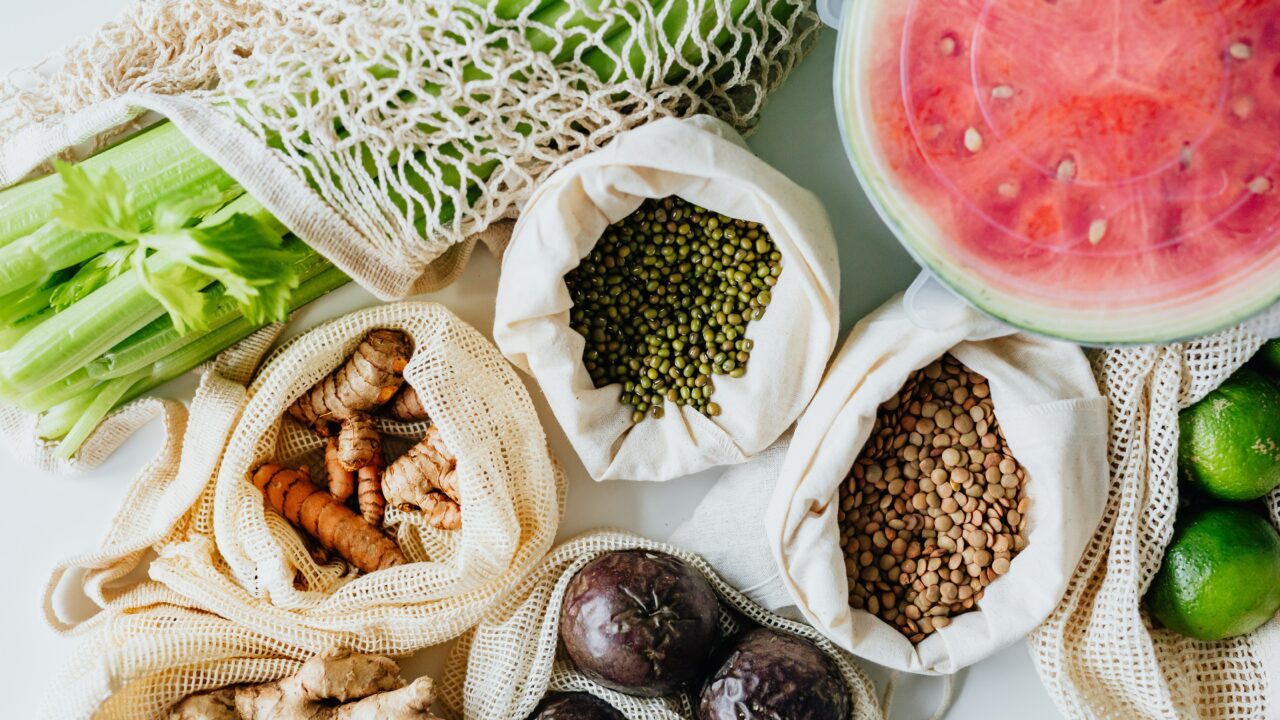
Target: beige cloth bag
{"x":1055,"y":423}
{"x":503,"y":667}
{"x":704,"y":161}
{"x":220,"y":548}
{"x":1097,"y":652}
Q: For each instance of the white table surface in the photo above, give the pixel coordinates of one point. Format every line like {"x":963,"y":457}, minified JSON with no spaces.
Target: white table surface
{"x":48,"y":518}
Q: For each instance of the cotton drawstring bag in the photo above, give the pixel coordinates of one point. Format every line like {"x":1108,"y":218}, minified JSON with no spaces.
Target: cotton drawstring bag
{"x":705,"y":162}
{"x":223,"y":549}
{"x":1054,"y":420}
{"x":502,"y":668}
{"x":1098,"y":653}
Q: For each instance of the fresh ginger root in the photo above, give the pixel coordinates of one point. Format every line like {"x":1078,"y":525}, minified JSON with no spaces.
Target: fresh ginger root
{"x":407,"y":406}
{"x":425,"y":478}
{"x":325,"y":518}
{"x":334,"y":685}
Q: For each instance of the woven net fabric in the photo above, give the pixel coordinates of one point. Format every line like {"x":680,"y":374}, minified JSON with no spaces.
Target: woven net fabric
{"x":502,"y":668}
{"x":398,"y":130}
{"x":1098,"y":653}
{"x":218,"y":548}
{"x":236,"y":557}
{"x":152,"y":648}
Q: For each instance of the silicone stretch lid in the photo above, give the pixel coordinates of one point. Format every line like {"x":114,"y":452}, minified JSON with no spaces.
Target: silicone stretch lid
{"x":1102,"y":170}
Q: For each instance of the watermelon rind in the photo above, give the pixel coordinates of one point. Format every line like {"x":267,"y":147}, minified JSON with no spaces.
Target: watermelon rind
{"x":1176,"y":318}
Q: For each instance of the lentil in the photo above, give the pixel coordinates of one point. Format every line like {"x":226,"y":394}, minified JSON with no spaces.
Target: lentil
{"x":925,"y":551}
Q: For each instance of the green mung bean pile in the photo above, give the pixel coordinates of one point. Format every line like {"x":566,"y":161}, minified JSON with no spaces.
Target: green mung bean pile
{"x":664,"y":300}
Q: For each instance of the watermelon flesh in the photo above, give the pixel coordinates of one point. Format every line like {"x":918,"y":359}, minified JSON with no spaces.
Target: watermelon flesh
{"x":1108,"y":170}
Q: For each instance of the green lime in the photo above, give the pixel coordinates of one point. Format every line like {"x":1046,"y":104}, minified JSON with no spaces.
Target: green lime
{"x":1230,"y":441}
{"x":1269,"y":356}
{"x":1220,"y":577}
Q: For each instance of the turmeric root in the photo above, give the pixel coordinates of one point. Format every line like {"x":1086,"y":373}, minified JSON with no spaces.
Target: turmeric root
{"x":358,"y":442}
{"x":335,"y":685}
{"x":369,"y":378}
{"x":425,"y":478}
{"x":427,"y":466}
{"x":372,"y":503}
{"x":407,"y":406}
{"x":342,"y":482}
{"x":440,"y":511}
{"x":325,"y":518}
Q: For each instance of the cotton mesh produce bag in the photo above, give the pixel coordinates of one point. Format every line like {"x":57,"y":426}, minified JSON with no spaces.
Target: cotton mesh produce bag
{"x":149,"y":649}
{"x":1098,"y":653}
{"x":388,"y":135}
{"x":501,"y":669}
{"x":221,"y":547}
{"x":774,"y":523}
{"x":705,"y":162}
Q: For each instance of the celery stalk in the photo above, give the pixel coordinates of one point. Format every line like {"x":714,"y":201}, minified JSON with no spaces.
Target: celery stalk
{"x":106,"y":399}
{"x":76,"y":417}
{"x":60,"y":419}
{"x":17,"y":306}
{"x":154,"y":163}
{"x":148,"y":346}
{"x":66,"y":341}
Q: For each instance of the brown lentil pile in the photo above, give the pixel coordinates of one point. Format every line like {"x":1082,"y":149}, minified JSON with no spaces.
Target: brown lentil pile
{"x":933,"y":510}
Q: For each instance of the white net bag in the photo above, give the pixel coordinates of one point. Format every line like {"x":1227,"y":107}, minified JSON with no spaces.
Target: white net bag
{"x":150,"y":649}
{"x":221,"y":547}
{"x":1097,"y":653}
{"x":387,"y":135}
{"x":503,"y":668}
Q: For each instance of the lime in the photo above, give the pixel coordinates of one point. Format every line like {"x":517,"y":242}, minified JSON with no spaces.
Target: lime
{"x":1269,"y":356}
{"x":1230,"y":441}
{"x":1220,"y":577}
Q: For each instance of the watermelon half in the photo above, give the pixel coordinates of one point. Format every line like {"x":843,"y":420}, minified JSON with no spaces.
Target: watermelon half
{"x":1098,"y":170}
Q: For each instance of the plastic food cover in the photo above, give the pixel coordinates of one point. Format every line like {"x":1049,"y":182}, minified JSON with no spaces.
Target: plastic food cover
{"x":1099,"y":170}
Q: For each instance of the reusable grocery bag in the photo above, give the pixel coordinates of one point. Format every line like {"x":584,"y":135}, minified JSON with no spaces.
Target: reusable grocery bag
{"x":705,"y":162}
{"x":149,"y":649}
{"x":501,"y":669}
{"x":1054,"y":421}
{"x":388,"y":135}
{"x":1097,"y":653}
{"x":220,"y":546}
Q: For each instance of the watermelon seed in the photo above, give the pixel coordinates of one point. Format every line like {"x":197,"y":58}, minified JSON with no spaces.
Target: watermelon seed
{"x":972,"y":140}
{"x":1259,"y":185}
{"x":1008,"y":190}
{"x":1243,"y":107}
{"x":1067,"y":170}
{"x":1241,"y":51}
{"x":1002,"y":92}
{"x":948,"y":46}
{"x":1185,"y":157}
{"x":1097,"y":230}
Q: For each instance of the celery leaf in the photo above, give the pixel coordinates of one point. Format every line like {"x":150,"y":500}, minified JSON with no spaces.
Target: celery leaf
{"x":243,"y":253}
{"x":95,"y":206}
